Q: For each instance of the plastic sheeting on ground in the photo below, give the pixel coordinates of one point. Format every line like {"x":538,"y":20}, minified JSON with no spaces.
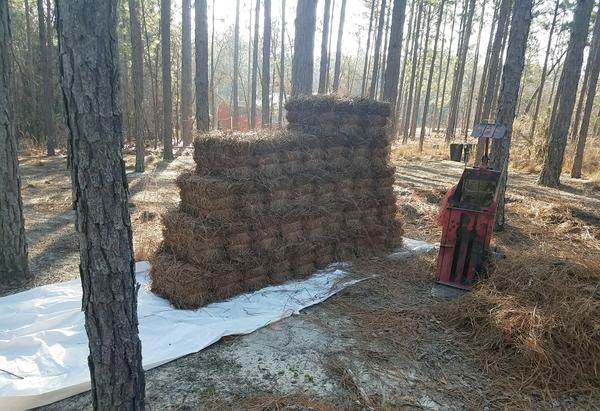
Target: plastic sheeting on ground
{"x":44,"y":347}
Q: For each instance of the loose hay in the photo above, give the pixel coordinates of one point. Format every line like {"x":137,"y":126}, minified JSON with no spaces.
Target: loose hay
{"x":275,"y":205}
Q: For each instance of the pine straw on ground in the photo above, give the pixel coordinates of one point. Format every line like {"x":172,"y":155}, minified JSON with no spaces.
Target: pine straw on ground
{"x":535,"y":322}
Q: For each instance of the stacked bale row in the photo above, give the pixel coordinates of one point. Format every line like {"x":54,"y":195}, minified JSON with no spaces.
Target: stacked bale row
{"x":264,"y":208}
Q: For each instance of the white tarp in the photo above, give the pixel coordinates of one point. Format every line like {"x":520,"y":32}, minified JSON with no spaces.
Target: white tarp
{"x":44,"y":347}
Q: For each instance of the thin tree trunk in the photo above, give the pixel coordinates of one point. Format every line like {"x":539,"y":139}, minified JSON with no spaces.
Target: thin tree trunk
{"x":88,"y":36}
{"x":439,"y":122}
{"x":31,"y":99}
{"x":474,"y":77}
{"x":366,"y":64}
{"x":304,"y":43}
{"x":511,"y":78}
{"x":417,"y":103}
{"x":165,"y":28}
{"x":567,"y":86}
{"x":266,"y":65}
{"x":459,"y":72}
{"x":186,"y":72}
{"x":47,"y":90}
{"x":338,"y":53}
{"x":13,"y":244}
{"x":328,"y":76}
{"x":431,"y":72}
{"x":137,"y":76}
{"x":254,"y":66}
{"x":153,"y":77}
{"x":407,"y":52}
{"x":412,"y":79}
{"x":538,"y":101}
{"x":385,"y":49}
{"x":201,"y":45}
{"x":377,"y":50}
{"x":486,"y":64}
{"x":594,"y":70}
{"x":215,"y":120}
{"x":281,"y":66}
{"x":323,"y":66}
{"x":235,"y":123}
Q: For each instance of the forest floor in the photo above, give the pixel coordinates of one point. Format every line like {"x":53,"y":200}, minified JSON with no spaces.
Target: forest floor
{"x":379,"y":344}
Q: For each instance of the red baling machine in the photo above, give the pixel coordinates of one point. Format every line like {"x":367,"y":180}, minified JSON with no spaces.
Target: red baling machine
{"x":467,"y":217}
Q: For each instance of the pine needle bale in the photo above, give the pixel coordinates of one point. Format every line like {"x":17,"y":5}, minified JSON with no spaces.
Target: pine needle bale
{"x":184,"y":284}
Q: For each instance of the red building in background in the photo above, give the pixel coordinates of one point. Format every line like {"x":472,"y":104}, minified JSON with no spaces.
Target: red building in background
{"x":225,"y":118}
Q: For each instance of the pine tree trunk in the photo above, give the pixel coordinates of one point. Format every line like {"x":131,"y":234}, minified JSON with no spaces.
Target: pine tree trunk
{"x":281,"y":66}
{"x":593,"y":69}
{"x":165,"y":29}
{"x":398,"y":120}
{"x":338,"y":53}
{"x":413,"y":72}
{"x":88,"y":38}
{"x":557,"y":141}
{"x":385,"y":48}
{"x":266,"y":65}
{"x":137,"y":78}
{"x":235,"y":123}
{"x":377,"y":50}
{"x":538,"y":101}
{"x":13,"y":245}
{"x":201,"y":81}
{"x":186,"y":72}
{"x":324,"y":63}
{"x":47,"y":97}
{"x":367,"y":55}
{"x":304,"y":43}
{"x":486,"y":64}
{"x":509,"y":95}
{"x":474,"y":77}
{"x":439,"y":122}
{"x":431,"y":72}
{"x":30,"y":96}
{"x":254,"y":67}
{"x":417,"y":103}
{"x":213,"y":103}
{"x":459,"y":72}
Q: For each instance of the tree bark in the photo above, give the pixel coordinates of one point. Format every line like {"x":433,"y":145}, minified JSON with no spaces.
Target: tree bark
{"x":236,"y":62}
{"x":137,"y":78}
{"x":165,"y":28}
{"x":431,"y":72}
{"x":266,"y":65}
{"x":474,"y":77}
{"x":377,"y":50}
{"x":412,"y":79}
{"x":593,"y":69}
{"x":557,"y":141}
{"x":338,"y":53}
{"x":509,"y":95}
{"x":538,"y":101}
{"x":281,"y":66}
{"x":439,"y":122}
{"x":201,"y":82}
{"x":186,"y":72}
{"x":47,"y":97}
{"x":367,"y":56}
{"x":254,"y":67}
{"x":304,"y":43}
{"x":13,"y":244}
{"x":324,"y":63}
{"x":385,"y":48}
{"x":459,"y":72}
{"x":88,"y":39}
{"x":417,"y":103}
{"x":486,"y":64}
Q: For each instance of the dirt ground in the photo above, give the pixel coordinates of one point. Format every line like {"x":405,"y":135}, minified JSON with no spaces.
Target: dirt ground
{"x":376,"y":345}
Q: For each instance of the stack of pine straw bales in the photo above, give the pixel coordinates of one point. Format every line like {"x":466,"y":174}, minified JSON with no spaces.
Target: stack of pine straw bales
{"x":262,"y":208}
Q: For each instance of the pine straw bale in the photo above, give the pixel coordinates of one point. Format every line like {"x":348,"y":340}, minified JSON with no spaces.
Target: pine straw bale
{"x":187,"y":285}
{"x":332,"y":103}
{"x":536,"y":315}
